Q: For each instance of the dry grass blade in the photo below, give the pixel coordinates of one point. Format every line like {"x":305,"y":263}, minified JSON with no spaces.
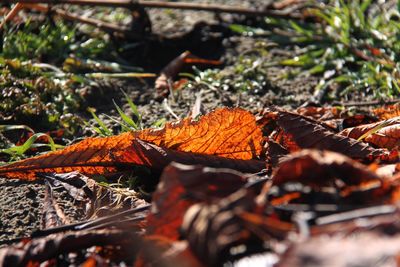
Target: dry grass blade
{"x":172,"y":5}
{"x":13,"y":13}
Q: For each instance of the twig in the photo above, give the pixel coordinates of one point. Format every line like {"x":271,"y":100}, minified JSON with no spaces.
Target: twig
{"x":368,"y":103}
{"x":104,"y":26}
{"x":11,"y":14}
{"x":172,"y":5}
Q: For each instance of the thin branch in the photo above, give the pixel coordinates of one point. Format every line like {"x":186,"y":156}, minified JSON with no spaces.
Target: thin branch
{"x":14,"y":12}
{"x":369,"y":103}
{"x":104,"y":26}
{"x":171,"y":5}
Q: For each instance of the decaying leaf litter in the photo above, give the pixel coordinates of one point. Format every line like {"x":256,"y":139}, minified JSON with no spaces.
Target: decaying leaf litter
{"x":289,"y":185}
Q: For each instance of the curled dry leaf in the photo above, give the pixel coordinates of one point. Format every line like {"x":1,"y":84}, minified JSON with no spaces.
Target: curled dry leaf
{"x":320,"y":168}
{"x":182,"y":186}
{"x":170,"y":71}
{"x":320,"y":113}
{"x":308,"y":133}
{"x":52,"y":215}
{"x":98,"y":200}
{"x":385,"y":134}
{"x":211,"y":229}
{"x":224,"y":138}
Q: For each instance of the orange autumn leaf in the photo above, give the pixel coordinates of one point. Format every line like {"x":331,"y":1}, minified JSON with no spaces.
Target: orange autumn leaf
{"x":388,"y":112}
{"x":224,"y":137}
{"x":230,"y":133}
{"x":90,"y":156}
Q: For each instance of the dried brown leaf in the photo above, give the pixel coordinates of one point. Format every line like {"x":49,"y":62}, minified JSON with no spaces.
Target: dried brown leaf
{"x":308,"y":133}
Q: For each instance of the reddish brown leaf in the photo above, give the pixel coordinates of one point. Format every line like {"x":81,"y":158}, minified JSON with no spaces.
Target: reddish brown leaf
{"x":356,"y":120}
{"x":226,"y":137}
{"x":182,"y":186}
{"x":160,"y":251}
{"x":91,"y":156}
{"x":308,"y":133}
{"x":386,"y":136}
{"x":212,"y":228}
{"x":319,"y":168}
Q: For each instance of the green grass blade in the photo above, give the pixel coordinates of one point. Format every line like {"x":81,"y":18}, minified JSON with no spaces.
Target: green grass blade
{"x":134,"y":110}
{"x":128,"y":120}
{"x":20,"y":150}
{"x":375,"y":129}
{"x":4,"y":128}
{"x":103,"y":129}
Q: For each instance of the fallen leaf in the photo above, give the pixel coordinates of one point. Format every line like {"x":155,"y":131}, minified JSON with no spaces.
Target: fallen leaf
{"x":320,"y":168}
{"x":230,"y":133}
{"x":384,"y":134}
{"x":182,"y":186}
{"x":388,"y":111}
{"x":161,"y":251}
{"x":211,"y":229}
{"x":308,"y":133}
{"x":52,"y":215}
{"x":98,"y":200}
{"x":225,"y":138}
{"x":320,"y":113}
{"x":356,"y":120}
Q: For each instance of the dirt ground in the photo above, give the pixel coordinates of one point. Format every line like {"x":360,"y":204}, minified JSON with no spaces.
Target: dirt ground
{"x":21,"y":203}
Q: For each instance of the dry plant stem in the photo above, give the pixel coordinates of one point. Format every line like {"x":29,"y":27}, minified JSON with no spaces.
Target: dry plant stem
{"x":369,"y":103}
{"x":172,"y":5}
{"x":14,"y":12}
{"x":104,"y":26}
